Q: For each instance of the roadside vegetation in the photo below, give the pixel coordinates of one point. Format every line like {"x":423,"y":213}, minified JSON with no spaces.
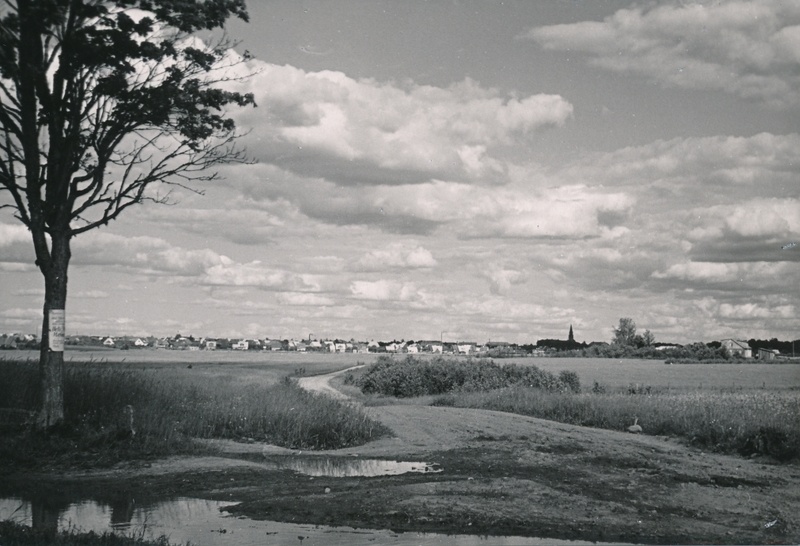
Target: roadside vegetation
{"x":744,"y":421}
{"x":119,"y":412}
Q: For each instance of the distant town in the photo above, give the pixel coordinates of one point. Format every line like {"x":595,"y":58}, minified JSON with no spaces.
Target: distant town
{"x":727,"y":348}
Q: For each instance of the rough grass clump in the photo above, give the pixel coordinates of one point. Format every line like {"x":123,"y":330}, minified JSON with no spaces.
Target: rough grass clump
{"x":748,"y":423}
{"x":413,"y":376}
{"x":167,"y":416}
{"x":14,"y":534}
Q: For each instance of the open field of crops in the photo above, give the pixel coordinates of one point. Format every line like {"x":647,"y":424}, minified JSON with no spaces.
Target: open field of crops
{"x":608,"y":372}
{"x":654,"y":373}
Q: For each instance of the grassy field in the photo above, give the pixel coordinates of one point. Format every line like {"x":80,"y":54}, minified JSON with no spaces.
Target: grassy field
{"x":179,"y":395}
{"x":118,"y":411}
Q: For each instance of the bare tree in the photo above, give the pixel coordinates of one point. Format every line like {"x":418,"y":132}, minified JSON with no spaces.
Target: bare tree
{"x":100,"y":103}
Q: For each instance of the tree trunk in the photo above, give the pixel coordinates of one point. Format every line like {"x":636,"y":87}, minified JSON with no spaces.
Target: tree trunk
{"x":51,"y":357}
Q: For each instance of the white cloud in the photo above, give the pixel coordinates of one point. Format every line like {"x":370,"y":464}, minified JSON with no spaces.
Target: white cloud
{"x":360,"y":131}
{"x":501,"y":280}
{"x":749,"y":49}
{"x":253,"y":274}
{"x":382,"y":290}
{"x":304,"y":298}
{"x":92,"y":294}
{"x":396,"y":256}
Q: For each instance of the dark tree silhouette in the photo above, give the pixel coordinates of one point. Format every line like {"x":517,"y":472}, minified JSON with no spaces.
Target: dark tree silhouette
{"x":100,"y":104}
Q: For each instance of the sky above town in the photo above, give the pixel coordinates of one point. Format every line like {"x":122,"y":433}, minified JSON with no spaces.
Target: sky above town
{"x":475,"y":171}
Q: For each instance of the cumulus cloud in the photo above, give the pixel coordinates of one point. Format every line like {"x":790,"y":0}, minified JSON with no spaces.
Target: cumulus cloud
{"x":501,"y":280}
{"x":748,"y":49}
{"x":736,"y":277}
{"x":304,"y":299}
{"x":753,"y":165}
{"x":383,"y":290}
{"x":396,"y":256}
{"x":365,"y":132}
{"x":397,"y":292}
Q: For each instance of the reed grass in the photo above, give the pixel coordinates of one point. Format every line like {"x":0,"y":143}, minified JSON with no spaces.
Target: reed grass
{"x":168,"y":415}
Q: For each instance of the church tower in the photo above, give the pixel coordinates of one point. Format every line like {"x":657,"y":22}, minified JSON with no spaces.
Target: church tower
{"x":571,"y":337}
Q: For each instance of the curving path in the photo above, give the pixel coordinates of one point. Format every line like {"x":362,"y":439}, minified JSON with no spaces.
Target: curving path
{"x":322,"y":383}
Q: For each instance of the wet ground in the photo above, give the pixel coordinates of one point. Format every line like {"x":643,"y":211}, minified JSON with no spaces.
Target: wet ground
{"x":206,"y":522}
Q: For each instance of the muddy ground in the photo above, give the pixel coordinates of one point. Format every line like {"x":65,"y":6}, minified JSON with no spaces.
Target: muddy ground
{"x":502,"y":474}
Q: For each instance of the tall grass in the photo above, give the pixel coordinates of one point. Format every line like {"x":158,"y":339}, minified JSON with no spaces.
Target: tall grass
{"x":747,"y":422}
{"x":168,"y":415}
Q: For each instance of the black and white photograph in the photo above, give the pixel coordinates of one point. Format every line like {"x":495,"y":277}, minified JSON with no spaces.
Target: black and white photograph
{"x":403,"y":272}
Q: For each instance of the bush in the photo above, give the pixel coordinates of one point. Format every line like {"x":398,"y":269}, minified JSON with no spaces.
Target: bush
{"x":415,"y":376}
{"x":570,"y":380}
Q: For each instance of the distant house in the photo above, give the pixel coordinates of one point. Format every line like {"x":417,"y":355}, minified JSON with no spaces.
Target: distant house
{"x":767,"y":354}
{"x":273,"y":345}
{"x":211,"y":345}
{"x":8,"y":341}
{"x":466,"y":348}
{"x":109,"y":342}
{"x":139,"y":342}
{"x":436,"y":348}
{"x":734,"y":347}
{"x":242,"y":345}
{"x":412,"y":348}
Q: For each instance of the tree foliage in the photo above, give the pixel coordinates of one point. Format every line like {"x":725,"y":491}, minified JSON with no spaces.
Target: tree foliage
{"x":98,"y":100}
{"x":625,"y":333}
{"x":101,"y":103}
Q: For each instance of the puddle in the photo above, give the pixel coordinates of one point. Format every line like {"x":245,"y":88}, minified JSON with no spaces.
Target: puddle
{"x":339,"y":467}
{"x":204,"y":522}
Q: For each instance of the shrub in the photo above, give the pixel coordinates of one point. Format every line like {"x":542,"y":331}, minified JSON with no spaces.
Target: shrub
{"x":413,"y":376}
{"x":570,"y":380}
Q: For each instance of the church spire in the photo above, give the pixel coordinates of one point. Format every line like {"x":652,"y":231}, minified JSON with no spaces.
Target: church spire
{"x":571,"y":337}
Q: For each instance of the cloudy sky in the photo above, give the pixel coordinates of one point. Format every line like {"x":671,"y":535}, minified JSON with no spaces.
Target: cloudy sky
{"x":476,"y":171}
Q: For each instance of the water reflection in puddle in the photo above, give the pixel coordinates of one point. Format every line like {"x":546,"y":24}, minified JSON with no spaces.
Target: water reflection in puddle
{"x":205,"y":522}
{"x":348,"y":468}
